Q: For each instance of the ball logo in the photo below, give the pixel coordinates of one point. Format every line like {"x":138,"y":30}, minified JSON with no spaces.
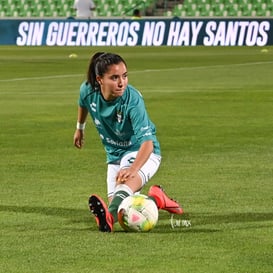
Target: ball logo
{"x":135,"y":218}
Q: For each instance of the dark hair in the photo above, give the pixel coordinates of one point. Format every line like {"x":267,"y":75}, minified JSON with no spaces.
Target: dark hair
{"x":99,"y":65}
{"x":136,"y":12}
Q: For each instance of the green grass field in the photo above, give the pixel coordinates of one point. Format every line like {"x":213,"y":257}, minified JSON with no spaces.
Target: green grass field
{"x":213,"y":108}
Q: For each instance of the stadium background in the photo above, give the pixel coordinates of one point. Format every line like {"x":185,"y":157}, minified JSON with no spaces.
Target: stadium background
{"x":213,"y":110}
{"x":116,"y":8}
{"x":247,"y":22}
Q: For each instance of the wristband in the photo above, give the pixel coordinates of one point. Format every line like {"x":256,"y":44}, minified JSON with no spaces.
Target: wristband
{"x":80,"y":126}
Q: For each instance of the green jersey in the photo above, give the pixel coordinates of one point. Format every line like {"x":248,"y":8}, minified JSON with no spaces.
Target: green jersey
{"x":123,"y":124}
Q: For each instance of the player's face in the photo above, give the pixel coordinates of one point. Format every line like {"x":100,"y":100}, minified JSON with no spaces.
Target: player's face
{"x":114,"y":81}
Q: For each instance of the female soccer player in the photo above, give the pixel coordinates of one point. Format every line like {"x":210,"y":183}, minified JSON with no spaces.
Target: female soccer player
{"x":127,"y":133}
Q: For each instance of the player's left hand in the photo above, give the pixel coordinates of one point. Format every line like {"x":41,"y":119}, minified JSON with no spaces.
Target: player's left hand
{"x":125,"y":174}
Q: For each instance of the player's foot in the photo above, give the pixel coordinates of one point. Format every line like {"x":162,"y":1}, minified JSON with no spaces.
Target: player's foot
{"x":103,"y":217}
{"x":163,"y":201}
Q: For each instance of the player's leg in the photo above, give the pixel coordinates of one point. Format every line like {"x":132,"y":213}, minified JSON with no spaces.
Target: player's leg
{"x":98,"y":207}
{"x":156,"y":192}
{"x":135,"y":184}
{"x":106,"y":217}
{"x":163,"y":201}
{"x":112,"y":170}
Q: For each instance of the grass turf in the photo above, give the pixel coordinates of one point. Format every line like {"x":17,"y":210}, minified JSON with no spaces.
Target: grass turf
{"x":213,"y":111}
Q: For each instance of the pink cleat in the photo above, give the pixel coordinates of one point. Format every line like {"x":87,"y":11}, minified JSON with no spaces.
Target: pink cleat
{"x":103,"y":217}
{"x":163,"y":201}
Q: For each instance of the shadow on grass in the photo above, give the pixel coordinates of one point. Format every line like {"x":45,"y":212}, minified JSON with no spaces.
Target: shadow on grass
{"x":214,"y":222}
{"x":75,"y":215}
{"x":202,"y":219}
{"x":199,"y":221}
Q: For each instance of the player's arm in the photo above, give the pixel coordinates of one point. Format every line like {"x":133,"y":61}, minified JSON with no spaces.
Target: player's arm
{"x":143,"y":155}
{"x":79,"y":133}
{"x":143,"y":132}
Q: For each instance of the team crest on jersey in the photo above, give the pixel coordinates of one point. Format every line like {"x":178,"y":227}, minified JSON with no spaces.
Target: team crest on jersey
{"x":119,"y":116}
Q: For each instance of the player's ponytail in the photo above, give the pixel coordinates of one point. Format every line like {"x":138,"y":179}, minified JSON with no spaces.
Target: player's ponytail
{"x":91,"y":73}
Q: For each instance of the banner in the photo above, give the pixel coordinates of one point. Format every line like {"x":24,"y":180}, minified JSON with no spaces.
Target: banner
{"x":151,"y":32}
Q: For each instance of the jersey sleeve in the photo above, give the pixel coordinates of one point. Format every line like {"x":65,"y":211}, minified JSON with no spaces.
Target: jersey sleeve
{"x":84,"y":90}
{"x":143,"y":128}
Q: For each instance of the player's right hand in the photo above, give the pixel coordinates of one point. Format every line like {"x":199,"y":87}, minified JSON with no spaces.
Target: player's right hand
{"x":78,"y":139}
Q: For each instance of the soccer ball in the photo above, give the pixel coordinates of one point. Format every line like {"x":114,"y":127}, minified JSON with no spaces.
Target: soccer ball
{"x":137,"y":213}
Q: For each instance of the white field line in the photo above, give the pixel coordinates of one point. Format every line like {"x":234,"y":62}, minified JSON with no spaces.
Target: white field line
{"x":141,"y":71}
